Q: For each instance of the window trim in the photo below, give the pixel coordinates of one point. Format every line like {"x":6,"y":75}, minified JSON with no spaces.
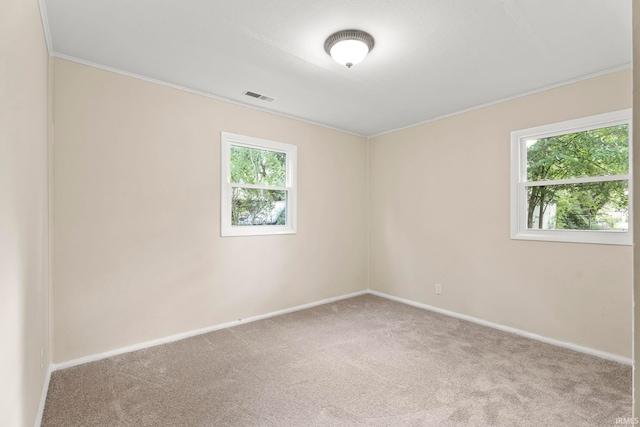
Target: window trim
{"x":226,"y":229}
{"x":518,"y":179}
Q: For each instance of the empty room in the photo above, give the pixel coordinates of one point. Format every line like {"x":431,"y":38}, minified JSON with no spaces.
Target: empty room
{"x":317,"y":213}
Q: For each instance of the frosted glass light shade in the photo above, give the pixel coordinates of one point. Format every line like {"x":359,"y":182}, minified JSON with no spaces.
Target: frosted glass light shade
{"x":349,"y":47}
{"x":349,"y":52}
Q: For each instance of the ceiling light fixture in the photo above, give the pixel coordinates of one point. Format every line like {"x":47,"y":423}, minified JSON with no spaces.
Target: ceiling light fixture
{"x":349,"y":47}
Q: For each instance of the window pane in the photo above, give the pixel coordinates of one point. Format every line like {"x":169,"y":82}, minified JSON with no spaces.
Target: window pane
{"x":597,"y":152}
{"x":586,"y":206}
{"x":258,"y":207}
{"x":260,"y":167}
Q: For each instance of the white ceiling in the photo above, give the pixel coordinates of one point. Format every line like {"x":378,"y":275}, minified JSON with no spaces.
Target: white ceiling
{"x":431,"y":57}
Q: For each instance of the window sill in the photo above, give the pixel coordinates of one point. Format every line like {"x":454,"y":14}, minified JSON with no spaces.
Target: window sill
{"x":256,"y":230}
{"x":622,"y":238}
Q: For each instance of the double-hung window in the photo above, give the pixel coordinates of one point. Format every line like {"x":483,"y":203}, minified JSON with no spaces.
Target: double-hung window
{"x":258,"y":194}
{"x":571,"y":181}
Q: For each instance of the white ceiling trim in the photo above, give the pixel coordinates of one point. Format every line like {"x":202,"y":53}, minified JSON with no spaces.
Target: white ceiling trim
{"x":45,"y":25}
{"x":196,"y":92}
{"x":510,"y":98}
{"x":276,"y":113}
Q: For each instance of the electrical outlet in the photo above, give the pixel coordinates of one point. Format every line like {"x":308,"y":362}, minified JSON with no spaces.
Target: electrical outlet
{"x":438,"y":288}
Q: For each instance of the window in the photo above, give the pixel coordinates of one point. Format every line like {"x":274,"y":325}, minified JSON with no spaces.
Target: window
{"x":258,"y":194}
{"x":571,"y":181}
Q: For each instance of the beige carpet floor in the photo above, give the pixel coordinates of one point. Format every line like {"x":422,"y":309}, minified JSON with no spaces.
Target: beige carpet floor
{"x":365,"y":361}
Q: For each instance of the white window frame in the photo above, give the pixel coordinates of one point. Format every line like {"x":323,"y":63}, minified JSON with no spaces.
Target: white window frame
{"x":519,"y":182}
{"x":226,"y":229}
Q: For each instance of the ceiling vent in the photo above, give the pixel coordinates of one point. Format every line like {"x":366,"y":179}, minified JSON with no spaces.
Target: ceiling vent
{"x":257,"y":96}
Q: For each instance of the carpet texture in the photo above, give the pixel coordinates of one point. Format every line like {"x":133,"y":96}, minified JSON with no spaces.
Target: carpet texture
{"x":364,"y":361}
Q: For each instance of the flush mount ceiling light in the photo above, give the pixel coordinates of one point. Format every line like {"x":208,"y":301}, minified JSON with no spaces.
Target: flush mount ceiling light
{"x":349,"y":47}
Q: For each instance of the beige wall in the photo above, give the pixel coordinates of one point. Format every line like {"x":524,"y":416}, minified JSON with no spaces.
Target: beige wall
{"x":24,"y":314}
{"x":138,"y":252}
{"x":439,"y":209}
{"x":137,"y":245}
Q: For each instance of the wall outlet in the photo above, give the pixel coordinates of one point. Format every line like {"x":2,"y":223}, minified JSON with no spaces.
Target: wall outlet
{"x":438,"y":288}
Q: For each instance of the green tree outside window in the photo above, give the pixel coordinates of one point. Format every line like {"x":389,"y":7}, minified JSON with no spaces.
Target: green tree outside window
{"x":258,"y":206}
{"x":602,"y":152}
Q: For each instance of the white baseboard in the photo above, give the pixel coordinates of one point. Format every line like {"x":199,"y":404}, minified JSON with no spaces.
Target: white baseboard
{"x":575,"y":347}
{"x":43,"y":397}
{"x":194,"y":332}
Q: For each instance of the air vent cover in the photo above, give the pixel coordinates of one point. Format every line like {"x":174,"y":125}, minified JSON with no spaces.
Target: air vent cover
{"x":257,"y":96}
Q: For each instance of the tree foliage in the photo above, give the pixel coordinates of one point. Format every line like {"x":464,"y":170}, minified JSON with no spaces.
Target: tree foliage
{"x":258,"y":206}
{"x":597,"y":152}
